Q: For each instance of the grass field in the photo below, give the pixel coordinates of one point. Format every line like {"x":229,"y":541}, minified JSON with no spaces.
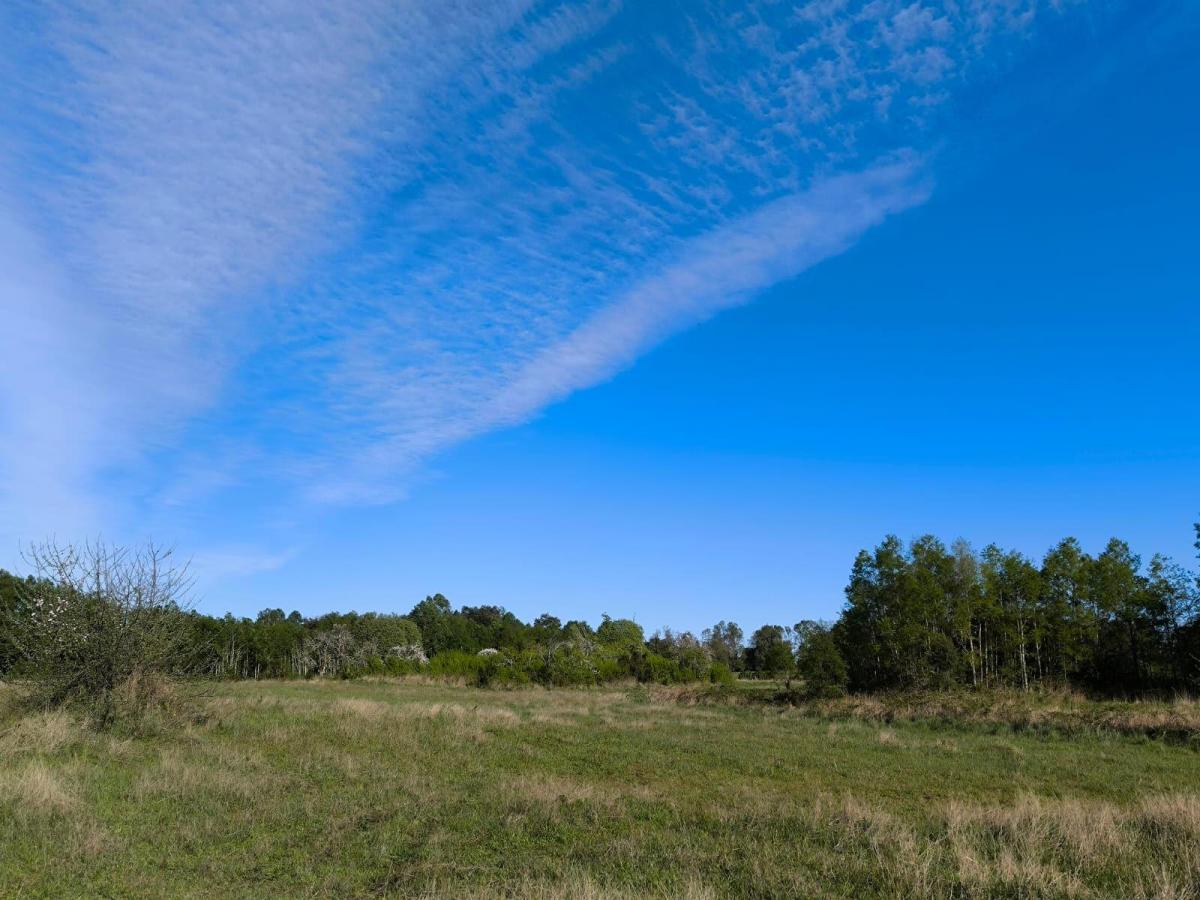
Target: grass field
{"x":325,"y":789}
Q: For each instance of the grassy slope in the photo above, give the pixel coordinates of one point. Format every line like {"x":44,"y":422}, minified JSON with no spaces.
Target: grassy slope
{"x":366,"y":789}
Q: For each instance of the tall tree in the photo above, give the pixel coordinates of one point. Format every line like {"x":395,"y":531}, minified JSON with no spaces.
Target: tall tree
{"x":818,"y":660}
{"x":1072,"y":626}
{"x":621,"y":634}
{"x":770,"y":652}
{"x":966,"y":598}
{"x":1173,"y":600}
{"x":724,"y":643}
{"x":1014,"y":585}
{"x":1116,"y":588}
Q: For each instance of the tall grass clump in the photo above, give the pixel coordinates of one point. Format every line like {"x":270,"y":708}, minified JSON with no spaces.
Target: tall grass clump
{"x":101,"y":629}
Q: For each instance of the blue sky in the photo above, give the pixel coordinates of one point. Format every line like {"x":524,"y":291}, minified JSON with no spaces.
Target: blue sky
{"x":659,"y":309}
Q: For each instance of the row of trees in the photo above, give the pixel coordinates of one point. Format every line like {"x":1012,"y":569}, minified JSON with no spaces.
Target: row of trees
{"x":918,"y":616}
{"x":931,"y":616}
{"x":481,"y":643}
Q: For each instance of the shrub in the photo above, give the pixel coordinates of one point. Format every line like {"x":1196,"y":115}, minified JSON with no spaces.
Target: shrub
{"x":694,"y":663}
{"x":719,"y":673}
{"x":569,"y":665}
{"x":656,"y":669}
{"x":620,"y":634}
{"x":607,"y":667}
{"x":336,"y":652}
{"x":457,"y":664}
{"x":97,"y":622}
{"x":411,"y":653}
{"x":527,"y":666}
{"x":504,"y":668}
{"x":152,"y":704}
{"x":819,"y":661}
{"x":396,"y":665}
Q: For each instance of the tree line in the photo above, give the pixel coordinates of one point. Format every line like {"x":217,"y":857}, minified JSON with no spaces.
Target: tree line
{"x":928,"y":616}
{"x":917,"y":616}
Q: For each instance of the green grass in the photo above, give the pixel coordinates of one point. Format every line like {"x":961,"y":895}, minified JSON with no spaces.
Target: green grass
{"x":414,"y":789}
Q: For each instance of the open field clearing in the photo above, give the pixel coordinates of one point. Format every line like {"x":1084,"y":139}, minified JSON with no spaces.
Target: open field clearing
{"x":418,"y":789}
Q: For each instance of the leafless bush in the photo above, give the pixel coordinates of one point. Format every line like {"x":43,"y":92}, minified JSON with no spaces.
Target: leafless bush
{"x":336,"y":652}
{"x":97,"y":622}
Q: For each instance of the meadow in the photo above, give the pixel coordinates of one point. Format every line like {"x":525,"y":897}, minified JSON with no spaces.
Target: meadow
{"x":373,"y":788}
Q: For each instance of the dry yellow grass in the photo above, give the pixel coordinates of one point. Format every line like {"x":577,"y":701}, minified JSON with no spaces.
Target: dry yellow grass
{"x":1042,"y":845}
{"x":888,"y":737}
{"x":576,"y":887}
{"x":42,"y":732}
{"x":1063,"y":710}
{"x":35,"y":790}
{"x":183,"y":775}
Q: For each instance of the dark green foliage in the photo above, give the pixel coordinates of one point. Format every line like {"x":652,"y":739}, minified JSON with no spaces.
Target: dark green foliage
{"x":457,"y":664}
{"x":724,"y":644}
{"x":770,"y":652}
{"x":11,"y":589}
{"x":924,"y":617}
{"x":721,"y":674}
{"x":470,"y":629}
{"x":819,"y":661}
{"x":919,"y":617}
{"x":570,"y":664}
{"x":620,"y":634}
{"x":691,"y":660}
{"x":545,"y":630}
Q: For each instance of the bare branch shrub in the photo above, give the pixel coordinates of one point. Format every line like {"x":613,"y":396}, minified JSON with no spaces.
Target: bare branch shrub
{"x":98,"y":625}
{"x":336,"y":652}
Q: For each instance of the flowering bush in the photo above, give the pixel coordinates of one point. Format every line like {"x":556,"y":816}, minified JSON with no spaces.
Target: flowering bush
{"x":413,"y":653}
{"x":95,"y":619}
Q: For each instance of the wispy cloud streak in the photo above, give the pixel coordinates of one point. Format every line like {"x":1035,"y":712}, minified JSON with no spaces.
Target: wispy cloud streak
{"x":715,"y":271}
{"x":302,"y":247}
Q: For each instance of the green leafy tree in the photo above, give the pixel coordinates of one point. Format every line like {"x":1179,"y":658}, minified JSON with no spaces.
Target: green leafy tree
{"x":384,"y":631}
{"x":11,"y":590}
{"x":1174,"y":600}
{"x":1117,"y":590}
{"x":770,"y":652}
{"x":546,"y":630}
{"x":621,"y":634}
{"x":724,"y":643}
{"x":580,"y":635}
{"x":1071,"y":622}
{"x":1013,"y":584}
{"x":819,"y":661}
{"x":439,"y":629}
{"x":966,"y":599}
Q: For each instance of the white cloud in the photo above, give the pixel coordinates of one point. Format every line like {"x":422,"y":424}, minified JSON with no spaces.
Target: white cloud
{"x":713,"y":272}
{"x":51,"y":415}
{"x":307,"y":245}
{"x":165,"y":165}
{"x":215,"y":564}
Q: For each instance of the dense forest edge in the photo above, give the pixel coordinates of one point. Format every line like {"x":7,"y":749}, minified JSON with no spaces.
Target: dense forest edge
{"x":918,"y":617}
